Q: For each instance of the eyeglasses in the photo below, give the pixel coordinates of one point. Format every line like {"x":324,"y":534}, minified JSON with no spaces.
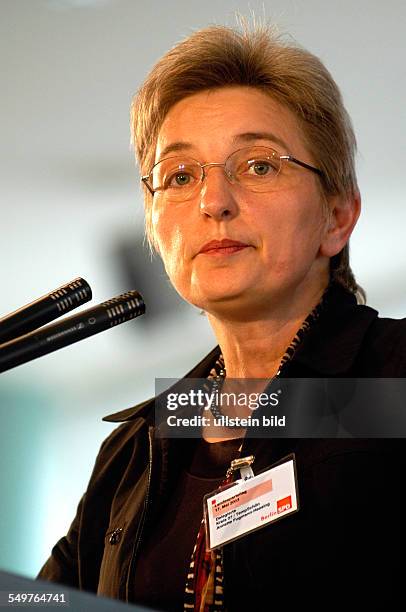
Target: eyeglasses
{"x":254,"y":168}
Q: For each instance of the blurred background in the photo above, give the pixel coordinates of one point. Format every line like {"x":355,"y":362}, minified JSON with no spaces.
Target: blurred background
{"x":71,"y":206}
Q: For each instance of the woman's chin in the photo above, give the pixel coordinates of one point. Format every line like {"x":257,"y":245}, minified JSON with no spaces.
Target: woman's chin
{"x":218,"y":300}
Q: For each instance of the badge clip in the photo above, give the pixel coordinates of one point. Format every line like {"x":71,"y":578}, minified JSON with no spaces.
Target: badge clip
{"x":243,"y":464}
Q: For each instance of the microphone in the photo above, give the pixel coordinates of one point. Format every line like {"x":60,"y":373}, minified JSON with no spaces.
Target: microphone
{"x":71,"y":329}
{"x":45,"y":309}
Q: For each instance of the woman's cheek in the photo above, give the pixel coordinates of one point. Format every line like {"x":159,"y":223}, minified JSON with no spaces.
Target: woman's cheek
{"x":171,"y":246}
{"x":161,"y":232}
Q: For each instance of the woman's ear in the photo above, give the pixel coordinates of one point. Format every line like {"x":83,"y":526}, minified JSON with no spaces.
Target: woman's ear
{"x":343,"y":215}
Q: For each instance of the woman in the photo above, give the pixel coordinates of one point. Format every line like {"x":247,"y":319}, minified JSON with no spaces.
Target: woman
{"x":247,"y":156}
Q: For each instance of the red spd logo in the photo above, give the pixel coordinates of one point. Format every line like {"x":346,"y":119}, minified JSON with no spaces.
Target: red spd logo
{"x":284,"y":504}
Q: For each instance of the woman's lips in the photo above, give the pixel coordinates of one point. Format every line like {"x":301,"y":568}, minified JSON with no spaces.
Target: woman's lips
{"x":222,"y":247}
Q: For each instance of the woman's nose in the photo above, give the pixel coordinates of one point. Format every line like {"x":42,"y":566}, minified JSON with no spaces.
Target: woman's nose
{"x":217,"y":199}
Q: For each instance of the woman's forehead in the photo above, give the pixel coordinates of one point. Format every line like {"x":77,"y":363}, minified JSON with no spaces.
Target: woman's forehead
{"x":214,"y":121}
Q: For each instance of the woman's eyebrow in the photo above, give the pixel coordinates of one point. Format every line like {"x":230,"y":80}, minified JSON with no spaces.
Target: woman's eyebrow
{"x":244,"y":137}
{"x":175,"y":146}
{"x":250,"y":136}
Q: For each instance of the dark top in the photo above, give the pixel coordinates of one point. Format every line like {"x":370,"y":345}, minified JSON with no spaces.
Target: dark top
{"x":161,"y":574}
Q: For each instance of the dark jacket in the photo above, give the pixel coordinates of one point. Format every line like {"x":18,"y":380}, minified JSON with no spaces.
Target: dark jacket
{"x":348,"y":532}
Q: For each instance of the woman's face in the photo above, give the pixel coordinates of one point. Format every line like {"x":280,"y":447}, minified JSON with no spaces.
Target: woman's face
{"x":280,"y":232}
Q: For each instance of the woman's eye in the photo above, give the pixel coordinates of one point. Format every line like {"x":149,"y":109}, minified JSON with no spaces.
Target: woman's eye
{"x":179,"y":179}
{"x":260,"y":168}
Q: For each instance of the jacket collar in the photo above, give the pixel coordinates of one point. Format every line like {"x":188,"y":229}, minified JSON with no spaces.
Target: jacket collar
{"x":328,"y":349}
{"x":333,"y":343}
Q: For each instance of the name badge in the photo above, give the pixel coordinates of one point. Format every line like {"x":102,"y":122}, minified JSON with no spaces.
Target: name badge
{"x":246,"y":505}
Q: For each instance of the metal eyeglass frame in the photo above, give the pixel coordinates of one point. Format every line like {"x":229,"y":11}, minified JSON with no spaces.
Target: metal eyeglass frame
{"x":288,"y":158}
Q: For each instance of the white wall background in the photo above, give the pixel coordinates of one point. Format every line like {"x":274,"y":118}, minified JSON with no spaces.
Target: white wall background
{"x":69,"y":192}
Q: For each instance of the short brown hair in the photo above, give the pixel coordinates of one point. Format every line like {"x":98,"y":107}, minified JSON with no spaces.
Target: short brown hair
{"x":220,"y":56}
